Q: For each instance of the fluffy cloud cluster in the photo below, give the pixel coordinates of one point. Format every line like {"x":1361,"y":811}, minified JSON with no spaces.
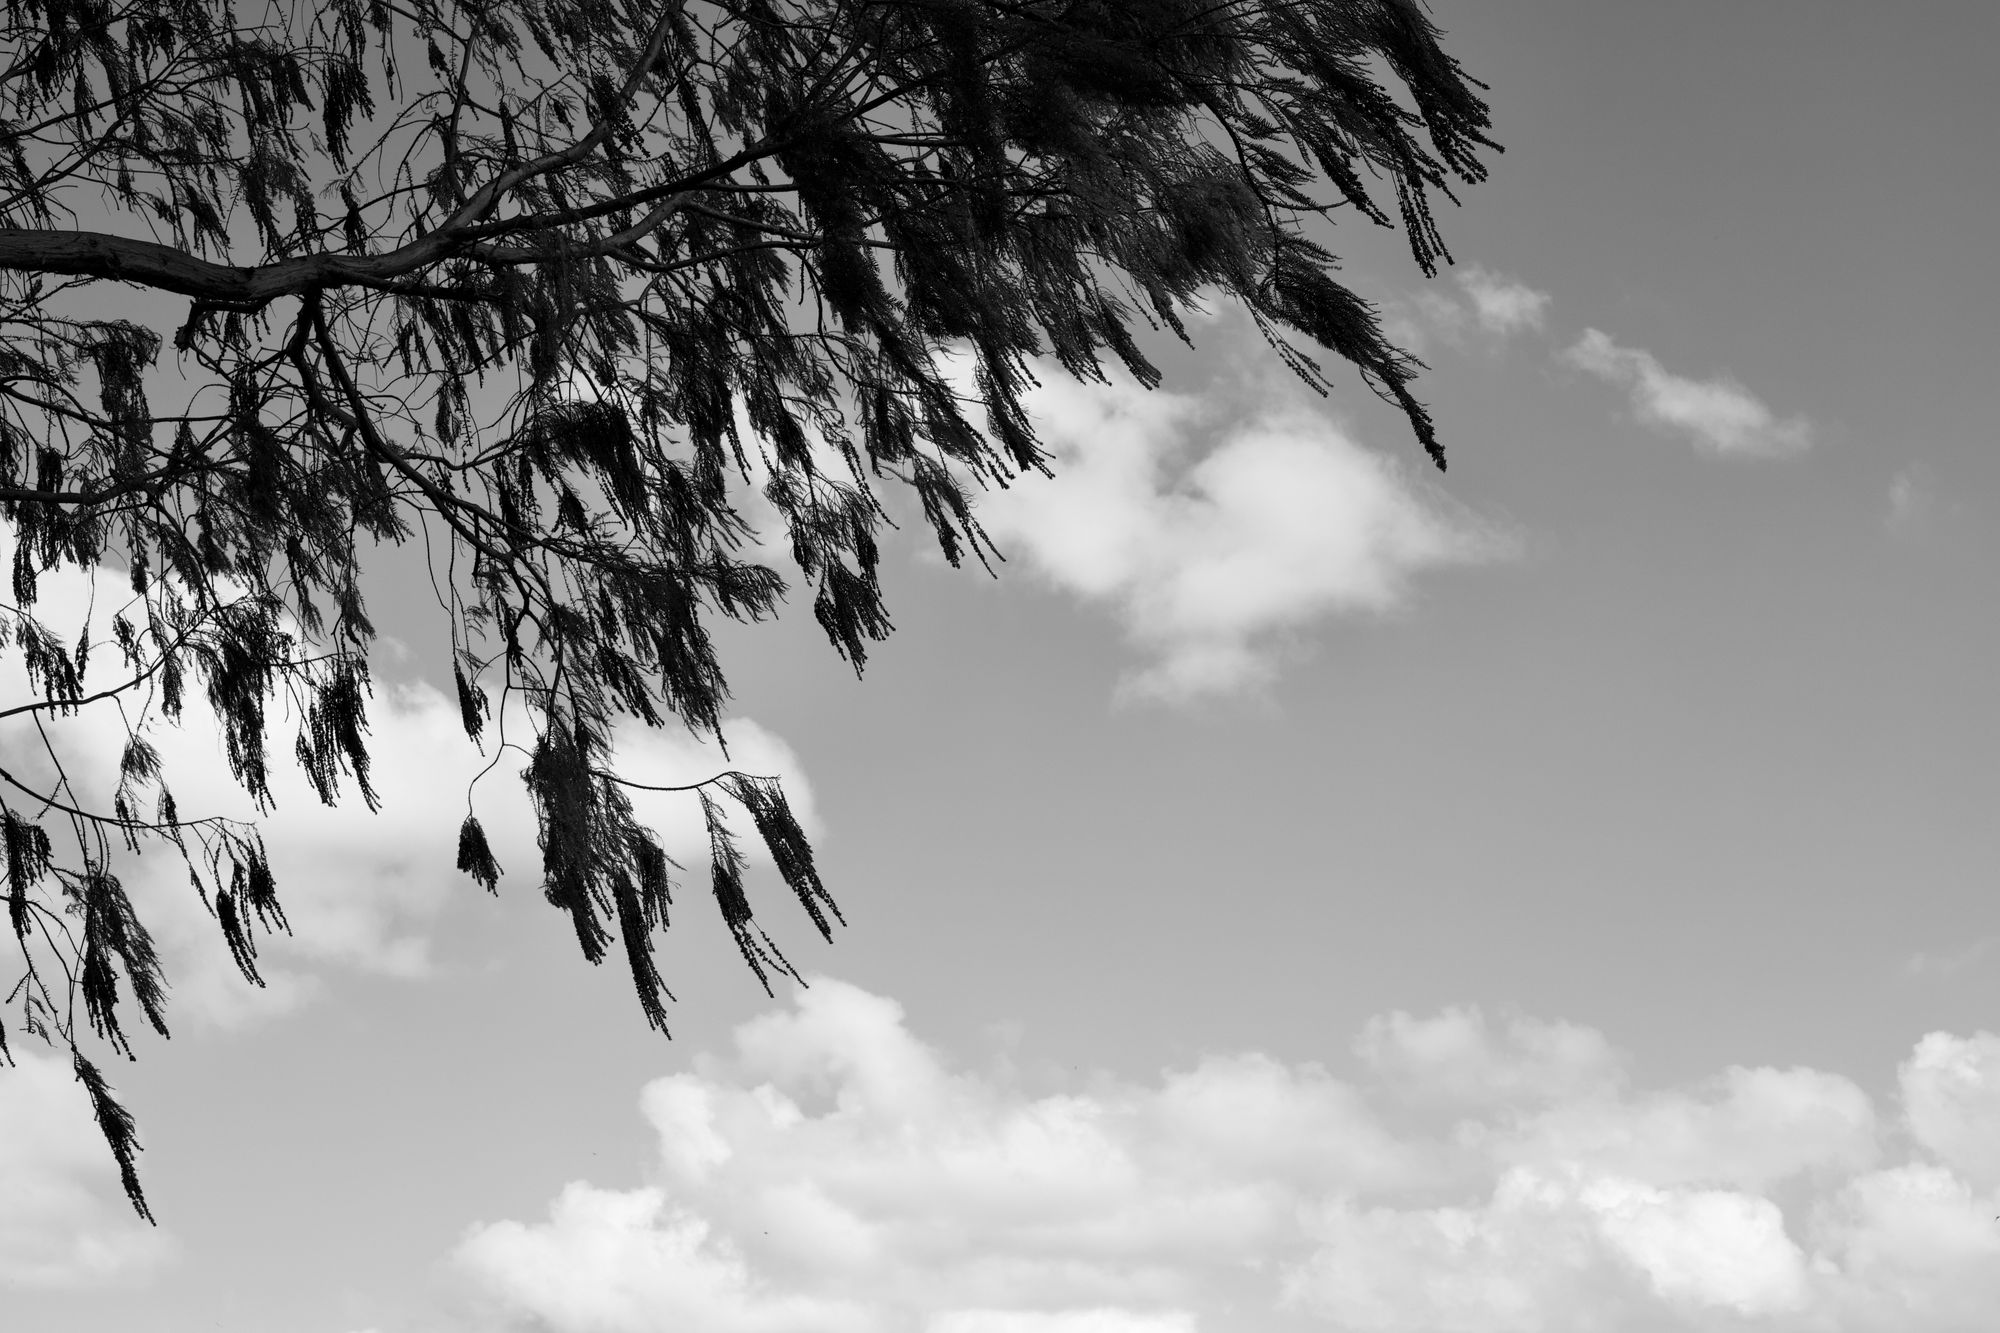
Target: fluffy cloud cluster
{"x":368,"y":902}
{"x":1210,"y":554}
{"x":364,"y":903}
{"x":1214,"y":532}
{"x":835,"y":1173}
{"x":1718,"y":414}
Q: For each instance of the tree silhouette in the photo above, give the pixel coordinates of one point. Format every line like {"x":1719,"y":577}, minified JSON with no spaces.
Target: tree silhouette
{"x":657,"y":240}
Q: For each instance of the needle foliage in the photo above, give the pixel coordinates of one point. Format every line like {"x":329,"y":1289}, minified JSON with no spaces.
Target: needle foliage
{"x":546,"y":283}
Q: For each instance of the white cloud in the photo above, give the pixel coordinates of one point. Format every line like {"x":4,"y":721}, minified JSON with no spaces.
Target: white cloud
{"x":1455,"y":1058}
{"x":1709,"y":1249}
{"x":361,"y":891}
{"x":1501,"y":304}
{"x":836,"y":1172}
{"x":1411,"y":322}
{"x":1719,"y":414}
{"x":1496,"y":305}
{"x":366,"y":903}
{"x":611,"y":1261}
{"x":1552,"y":1248}
{"x":1062,"y":1321}
{"x":836,"y":1149}
{"x":1746,"y":1128}
{"x":63,"y":1220}
{"x":1912,"y":1249}
{"x":1951,"y":1095}
{"x":1210,"y":560}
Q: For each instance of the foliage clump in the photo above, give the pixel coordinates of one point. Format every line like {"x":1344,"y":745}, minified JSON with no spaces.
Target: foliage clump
{"x":536,"y":280}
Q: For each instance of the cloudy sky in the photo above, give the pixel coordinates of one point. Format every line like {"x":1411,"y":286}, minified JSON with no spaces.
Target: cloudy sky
{"x":1304,"y":892}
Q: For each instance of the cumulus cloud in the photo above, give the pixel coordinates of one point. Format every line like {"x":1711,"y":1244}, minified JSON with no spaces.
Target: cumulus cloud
{"x":362,"y":892}
{"x":1911,"y":1249}
{"x":1719,"y":415}
{"x":63,"y":1220}
{"x":834,"y":1171}
{"x":1745,"y":1128}
{"x":1214,"y":538}
{"x":1549,"y":1249}
{"x":1061,"y":1321}
{"x":1951,"y":1095}
{"x":363,"y":903}
{"x":1503,"y":305}
{"x":1456,"y":1057}
{"x":610,"y":1260}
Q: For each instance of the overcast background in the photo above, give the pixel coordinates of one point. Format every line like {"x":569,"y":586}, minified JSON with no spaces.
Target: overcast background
{"x":1304,"y":892}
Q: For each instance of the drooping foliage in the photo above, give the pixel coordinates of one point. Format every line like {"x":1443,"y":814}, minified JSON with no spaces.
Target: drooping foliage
{"x":546,"y":283}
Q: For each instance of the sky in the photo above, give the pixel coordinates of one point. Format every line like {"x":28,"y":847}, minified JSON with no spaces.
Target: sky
{"x":1304,"y":891}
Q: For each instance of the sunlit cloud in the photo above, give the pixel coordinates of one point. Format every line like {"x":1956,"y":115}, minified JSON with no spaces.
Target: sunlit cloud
{"x":1503,"y":305}
{"x":1718,"y":415}
{"x":614,"y":1260}
{"x":834,"y":1171}
{"x":1457,"y":1058}
{"x":1493,"y":304}
{"x":362,"y":892}
{"x":1213,"y":534}
{"x":1951,"y":1096}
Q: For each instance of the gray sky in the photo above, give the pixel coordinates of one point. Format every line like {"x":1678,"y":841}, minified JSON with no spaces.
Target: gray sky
{"x":1304,"y":892}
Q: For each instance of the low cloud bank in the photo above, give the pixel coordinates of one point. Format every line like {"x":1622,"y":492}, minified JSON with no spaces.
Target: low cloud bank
{"x":835,"y":1172}
{"x":363,"y":894}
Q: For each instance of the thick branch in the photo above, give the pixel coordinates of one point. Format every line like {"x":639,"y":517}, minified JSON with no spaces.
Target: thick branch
{"x":96,"y":254}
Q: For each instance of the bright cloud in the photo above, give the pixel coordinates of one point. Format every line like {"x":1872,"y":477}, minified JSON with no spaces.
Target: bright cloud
{"x":1747,"y":1128}
{"x":1456,"y":1058}
{"x":362,"y":892}
{"x":1209,"y":560}
{"x":1911,"y":1248}
{"x":63,"y":1220}
{"x":1061,"y":1321}
{"x":1497,"y":305}
{"x":359,"y":902}
{"x":1501,"y":304}
{"x":1549,"y":1249}
{"x":1951,"y":1095}
{"x":1719,"y":414}
{"x":836,"y":1172}
{"x":608,"y":1261}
